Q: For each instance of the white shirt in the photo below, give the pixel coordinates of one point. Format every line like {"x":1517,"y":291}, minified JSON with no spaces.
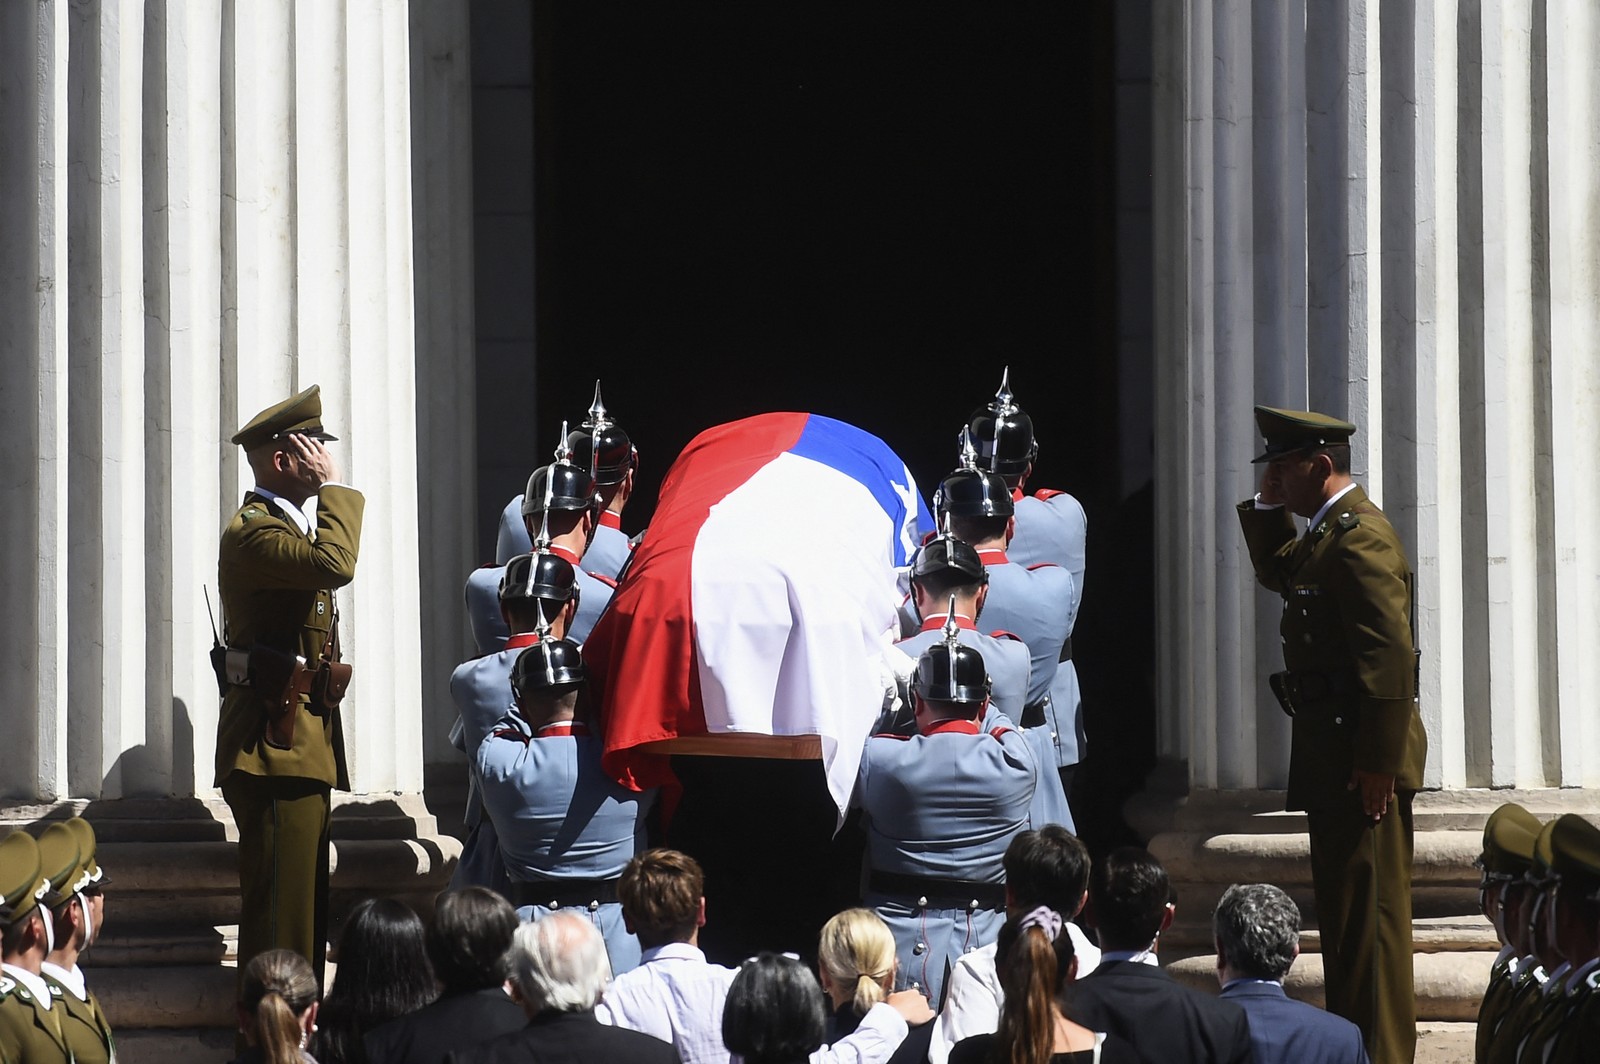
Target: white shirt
{"x":72,"y":980}
{"x":675,"y":995}
{"x":35,"y":983}
{"x":1315,"y":521}
{"x":973,"y":995}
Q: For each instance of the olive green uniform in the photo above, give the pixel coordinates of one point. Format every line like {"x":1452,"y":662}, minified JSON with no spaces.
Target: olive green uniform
{"x":276,"y":586}
{"x":29,"y":1033}
{"x":1527,"y":1002}
{"x":1578,"y":1037}
{"x":1496,"y":998}
{"x":84,"y":1026}
{"x":1347,"y":643}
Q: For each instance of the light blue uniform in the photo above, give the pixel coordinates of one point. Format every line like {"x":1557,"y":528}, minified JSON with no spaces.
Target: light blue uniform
{"x":560,"y":817}
{"x":1052,"y":527}
{"x":482,"y":692}
{"x":1035,"y":605}
{"x":489,"y":629}
{"x":942,"y":806}
{"x":607,"y":550}
{"x":1006,"y":658}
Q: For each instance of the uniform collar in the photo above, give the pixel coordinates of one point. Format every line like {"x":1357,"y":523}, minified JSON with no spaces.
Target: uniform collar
{"x":1016,"y":494}
{"x":611,"y":519}
{"x":953,"y":727}
{"x":522,"y":640}
{"x":561,"y":727}
{"x":35,"y":984}
{"x":993,"y":556}
{"x":1341,"y":493}
{"x":563,"y":553}
{"x":935,"y":621}
{"x":290,"y":510}
{"x":72,"y":981}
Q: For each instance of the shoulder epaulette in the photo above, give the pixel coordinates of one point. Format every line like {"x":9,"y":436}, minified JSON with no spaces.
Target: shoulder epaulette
{"x":1348,"y":520}
{"x":1047,"y":493}
{"x":511,"y":733}
{"x":1593,"y":980}
{"x":891,"y":735}
{"x":1001,"y":633}
{"x":604,"y":579}
{"x":250,"y":511}
{"x":998,"y":733}
{"x":7,"y":985}
{"x":489,"y":565}
{"x":1043,"y":565}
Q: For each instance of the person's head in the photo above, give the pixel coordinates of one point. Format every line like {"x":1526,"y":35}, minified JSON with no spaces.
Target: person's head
{"x":546,"y":679}
{"x":946,"y":568}
{"x":1508,"y":838}
{"x":663,"y":897}
{"x":1544,"y":880}
{"x":558,"y":964}
{"x":1130,"y":899}
{"x":976,"y":507}
{"x":602,"y":447}
{"x":26,"y":932}
{"x":998,"y":437}
{"x":774,"y":1012}
{"x":560,"y":505}
{"x":1575,"y":846}
{"x":469,"y":937}
{"x":1257,"y":931}
{"x":1048,"y":867}
{"x":1307,"y":456}
{"x":278,"y":1004}
{"x":1035,"y":960}
{"x":539,"y":590}
{"x":383,"y":969}
{"x":276,"y":440}
{"x":62,"y":866}
{"x":951,"y":682}
{"x":855,"y":959}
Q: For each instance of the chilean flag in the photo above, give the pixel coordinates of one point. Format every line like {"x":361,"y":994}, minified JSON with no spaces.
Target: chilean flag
{"x":756,"y":616}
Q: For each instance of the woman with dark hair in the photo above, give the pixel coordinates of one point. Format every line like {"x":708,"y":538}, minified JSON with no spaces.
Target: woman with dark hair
{"x":774,"y":1012}
{"x":1037,"y":965}
{"x":277,"y":1008}
{"x":383,"y":972}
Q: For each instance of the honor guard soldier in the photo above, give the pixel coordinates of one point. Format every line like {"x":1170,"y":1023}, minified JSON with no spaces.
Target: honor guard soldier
{"x":1575,"y":846}
{"x":939,"y":809}
{"x":30,"y":1021}
{"x":537,"y":592}
{"x":1508,"y":837}
{"x":280,"y":743}
{"x":977,"y":508}
{"x":560,"y":510}
{"x":1358,"y":746}
{"x":601,"y":446}
{"x":566,"y":828}
{"x":77,"y":908}
{"x":1543,"y":966}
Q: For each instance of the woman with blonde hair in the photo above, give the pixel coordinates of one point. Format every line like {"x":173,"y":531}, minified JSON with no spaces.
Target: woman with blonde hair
{"x":277,"y":1008}
{"x":856,"y":966}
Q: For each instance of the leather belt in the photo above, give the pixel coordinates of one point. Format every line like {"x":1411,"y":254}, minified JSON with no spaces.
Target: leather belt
{"x":932,"y":893}
{"x":1034,"y":714}
{"x":1066,"y":650}
{"x":1305,"y":686}
{"x":564,"y":893}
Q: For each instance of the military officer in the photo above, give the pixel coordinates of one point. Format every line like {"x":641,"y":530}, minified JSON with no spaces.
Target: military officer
{"x":1358,"y":745}
{"x":939,"y":809}
{"x":280,"y":745}
{"x":1025,"y":600}
{"x":77,"y":920}
{"x":1575,"y":847}
{"x":536,"y":591}
{"x":1547,"y":969}
{"x":601,"y":446}
{"x":1573,"y":928}
{"x":1508,"y":837}
{"x":30,"y":1021}
{"x":566,"y":827}
{"x":559,"y":514}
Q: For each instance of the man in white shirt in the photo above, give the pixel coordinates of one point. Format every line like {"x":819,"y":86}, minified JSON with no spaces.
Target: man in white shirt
{"x":676,"y":995}
{"x":1048,"y":867}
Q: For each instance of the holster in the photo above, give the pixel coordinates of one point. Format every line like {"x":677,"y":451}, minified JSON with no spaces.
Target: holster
{"x":280,"y":680}
{"x":1281,"y":690}
{"x":333,"y":676}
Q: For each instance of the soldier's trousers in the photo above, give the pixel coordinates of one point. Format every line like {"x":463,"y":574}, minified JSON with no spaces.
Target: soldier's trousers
{"x":1361,"y":872}
{"x":283,"y":864}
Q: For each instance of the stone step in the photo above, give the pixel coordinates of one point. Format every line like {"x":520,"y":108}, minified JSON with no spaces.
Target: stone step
{"x":1446,"y":1043}
{"x":132,"y":945}
{"x":191,"y":1045}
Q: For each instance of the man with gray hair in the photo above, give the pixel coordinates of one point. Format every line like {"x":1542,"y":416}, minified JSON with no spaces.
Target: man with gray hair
{"x":558,"y":972}
{"x":1257,"y":932}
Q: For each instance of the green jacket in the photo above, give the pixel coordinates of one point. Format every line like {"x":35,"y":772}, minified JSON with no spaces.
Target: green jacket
{"x":84,"y":1026}
{"x":29,"y":1034}
{"x":1346,"y":588}
{"x":276,"y":586}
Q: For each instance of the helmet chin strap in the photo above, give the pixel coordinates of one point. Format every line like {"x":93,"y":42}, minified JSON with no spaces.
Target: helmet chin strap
{"x":49,"y":931}
{"x":88,"y":918}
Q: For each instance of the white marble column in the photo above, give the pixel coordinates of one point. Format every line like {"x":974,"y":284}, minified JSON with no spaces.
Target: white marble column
{"x":202,"y":208}
{"x":1388,"y":215}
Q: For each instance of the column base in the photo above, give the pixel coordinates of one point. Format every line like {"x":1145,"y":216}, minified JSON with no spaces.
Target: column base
{"x":164,"y":968}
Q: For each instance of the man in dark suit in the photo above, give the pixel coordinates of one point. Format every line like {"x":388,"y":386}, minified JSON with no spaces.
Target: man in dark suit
{"x":467,"y":943}
{"x":1128,"y":994}
{"x":1257,"y":931}
{"x":559,"y":970}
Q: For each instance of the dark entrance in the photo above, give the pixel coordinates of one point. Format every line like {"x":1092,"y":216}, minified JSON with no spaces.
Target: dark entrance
{"x":859,"y":210}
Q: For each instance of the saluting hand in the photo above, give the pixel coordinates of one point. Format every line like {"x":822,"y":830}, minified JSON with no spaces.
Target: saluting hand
{"x":1376,"y":790}
{"x":312,"y":461}
{"x":1271,"y":490}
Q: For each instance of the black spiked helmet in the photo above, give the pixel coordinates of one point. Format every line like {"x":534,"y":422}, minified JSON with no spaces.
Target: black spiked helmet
{"x":1000,"y":435}
{"x":540,"y":575}
{"x":950,"y":671}
{"x":944,"y":553}
{"x":600,"y":445}
{"x":973,"y":493}
{"x":550,"y":665}
{"x":561,"y":485}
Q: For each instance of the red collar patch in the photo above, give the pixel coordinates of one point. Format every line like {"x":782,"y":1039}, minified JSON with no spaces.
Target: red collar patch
{"x":935,"y":621}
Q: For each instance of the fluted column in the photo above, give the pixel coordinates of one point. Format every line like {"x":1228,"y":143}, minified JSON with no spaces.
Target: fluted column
{"x":1388,"y":216}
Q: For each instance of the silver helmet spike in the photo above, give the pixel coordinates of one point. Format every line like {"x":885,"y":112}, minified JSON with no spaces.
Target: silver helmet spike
{"x":1003,"y":402}
{"x":563,"y":453}
{"x":969,"y":453}
{"x":542,"y":628}
{"x":598,"y":418}
{"x":952,"y":632}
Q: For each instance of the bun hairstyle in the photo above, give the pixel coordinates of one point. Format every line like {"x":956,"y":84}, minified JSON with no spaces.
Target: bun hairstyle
{"x":1034,"y":955}
{"x":278,"y":987}
{"x":857,"y":952}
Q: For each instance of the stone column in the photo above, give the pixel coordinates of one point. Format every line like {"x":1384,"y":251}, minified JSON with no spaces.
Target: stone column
{"x":1388,"y":215}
